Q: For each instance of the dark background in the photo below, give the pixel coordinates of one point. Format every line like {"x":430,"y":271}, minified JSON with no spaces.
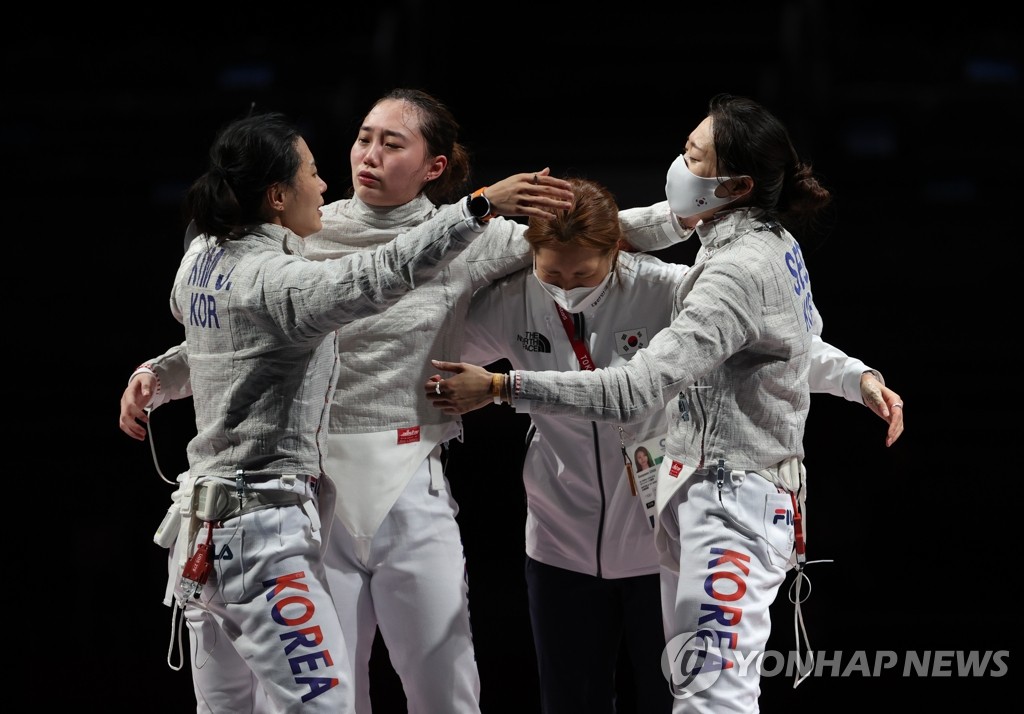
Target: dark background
{"x":912,"y":119}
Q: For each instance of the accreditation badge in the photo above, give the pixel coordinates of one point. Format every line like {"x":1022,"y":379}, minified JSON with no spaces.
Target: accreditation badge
{"x":647,"y":456}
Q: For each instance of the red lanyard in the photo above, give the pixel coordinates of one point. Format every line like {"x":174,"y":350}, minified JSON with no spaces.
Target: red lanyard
{"x":578,"y":345}
{"x":587,"y":363}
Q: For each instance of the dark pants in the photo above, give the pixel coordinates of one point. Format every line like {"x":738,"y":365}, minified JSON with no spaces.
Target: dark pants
{"x":580,"y":624}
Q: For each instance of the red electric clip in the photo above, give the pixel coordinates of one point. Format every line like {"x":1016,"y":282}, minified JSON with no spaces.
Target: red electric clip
{"x":198,"y":568}
{"x":798,"y":530}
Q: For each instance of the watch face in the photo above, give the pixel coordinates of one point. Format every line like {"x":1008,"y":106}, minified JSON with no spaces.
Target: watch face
{"x":479,"y":206}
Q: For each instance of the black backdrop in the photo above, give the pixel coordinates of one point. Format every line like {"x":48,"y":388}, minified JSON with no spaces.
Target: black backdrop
{"x":911,"y":120}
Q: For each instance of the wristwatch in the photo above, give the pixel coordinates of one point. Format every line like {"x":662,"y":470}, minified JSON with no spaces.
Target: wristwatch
{"x":479,"y":206}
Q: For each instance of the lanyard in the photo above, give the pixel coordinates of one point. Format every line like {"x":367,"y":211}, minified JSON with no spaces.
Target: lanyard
{"x":578,"y":345}
{"x":587,"y":363}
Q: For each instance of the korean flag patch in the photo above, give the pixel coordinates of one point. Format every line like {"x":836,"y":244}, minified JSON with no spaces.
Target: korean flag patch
{"x":630,"y":341}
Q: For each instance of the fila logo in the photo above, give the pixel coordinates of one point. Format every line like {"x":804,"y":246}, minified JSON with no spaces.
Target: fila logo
{"x":783,"y":514}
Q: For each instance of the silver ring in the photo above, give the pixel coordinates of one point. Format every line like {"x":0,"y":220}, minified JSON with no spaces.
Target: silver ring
{"x":897,"y":406}
{"x":437,"y":389}
{"x":535,"y":180}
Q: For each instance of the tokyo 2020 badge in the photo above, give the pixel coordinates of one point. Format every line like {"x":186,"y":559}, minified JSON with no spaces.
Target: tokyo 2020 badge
{"x":692,"y":663}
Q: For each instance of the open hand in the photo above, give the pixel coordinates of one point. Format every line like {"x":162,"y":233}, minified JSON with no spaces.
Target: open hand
{"x":469,"y":388}
{"x":136,"y":397}
{"x":885,"y":403}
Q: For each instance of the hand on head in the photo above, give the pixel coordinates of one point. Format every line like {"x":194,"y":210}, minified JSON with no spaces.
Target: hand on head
{"x":530,"y":194}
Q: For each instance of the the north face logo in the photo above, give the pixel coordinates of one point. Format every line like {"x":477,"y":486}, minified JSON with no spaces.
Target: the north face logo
{"x":534,"y":342}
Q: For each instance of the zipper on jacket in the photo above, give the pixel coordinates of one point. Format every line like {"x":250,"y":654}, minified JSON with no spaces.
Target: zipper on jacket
{"x":600,"y":486}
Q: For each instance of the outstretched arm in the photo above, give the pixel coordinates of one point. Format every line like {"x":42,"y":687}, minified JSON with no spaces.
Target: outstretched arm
{"x":835,"y":372}
{"x":470,"y":387}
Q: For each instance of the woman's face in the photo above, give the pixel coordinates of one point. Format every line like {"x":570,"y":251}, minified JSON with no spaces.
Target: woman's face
{"x":300,"y":202}
{"x":701,"y":159}
{"x":642,"y":461}
{"x":389,"y":158}
{"x":699,"y":151}
{"x":572,"y":266}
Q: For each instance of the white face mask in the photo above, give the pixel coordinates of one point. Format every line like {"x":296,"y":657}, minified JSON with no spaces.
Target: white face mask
{"x":689,"y":194}
{"x":575,"y":299}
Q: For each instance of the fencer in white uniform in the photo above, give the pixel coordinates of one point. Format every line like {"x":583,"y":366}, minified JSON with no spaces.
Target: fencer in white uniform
{"x":259,"y":325}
